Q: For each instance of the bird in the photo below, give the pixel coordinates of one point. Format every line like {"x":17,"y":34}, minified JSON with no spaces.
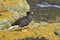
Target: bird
{"x":24,"y":21}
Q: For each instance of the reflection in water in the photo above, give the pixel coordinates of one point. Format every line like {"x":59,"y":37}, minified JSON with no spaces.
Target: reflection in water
{"x":45,"y":4}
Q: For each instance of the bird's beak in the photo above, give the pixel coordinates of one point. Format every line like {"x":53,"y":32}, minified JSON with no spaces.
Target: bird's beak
{"x":32,"y":13}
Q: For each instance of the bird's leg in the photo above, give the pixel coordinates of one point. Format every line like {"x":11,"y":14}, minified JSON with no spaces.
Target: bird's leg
{"x":19,"y":29}
{"x":24,"y":29}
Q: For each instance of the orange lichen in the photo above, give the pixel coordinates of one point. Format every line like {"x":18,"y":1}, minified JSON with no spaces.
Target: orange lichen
{"x":10,"y":2}
{"x":6,"y":15}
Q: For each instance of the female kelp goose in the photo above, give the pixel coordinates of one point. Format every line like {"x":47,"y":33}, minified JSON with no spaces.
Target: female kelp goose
{"x":22,"y":22}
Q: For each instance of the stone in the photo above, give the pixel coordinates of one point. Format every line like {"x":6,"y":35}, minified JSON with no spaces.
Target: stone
{"x":11,"y":10}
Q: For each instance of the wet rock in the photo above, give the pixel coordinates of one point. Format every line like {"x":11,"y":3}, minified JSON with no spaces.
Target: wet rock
{"x":37,"y":38}
{"x":43,"y":38}
{"x":56,"y":33}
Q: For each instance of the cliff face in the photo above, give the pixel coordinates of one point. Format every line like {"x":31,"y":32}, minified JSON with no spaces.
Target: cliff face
{"x":11,"y":10}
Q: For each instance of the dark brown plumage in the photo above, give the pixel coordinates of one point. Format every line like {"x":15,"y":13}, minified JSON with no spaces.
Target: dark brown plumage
{"x":25,"y":20}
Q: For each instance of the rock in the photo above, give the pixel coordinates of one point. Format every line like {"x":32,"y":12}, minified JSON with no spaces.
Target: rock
{"x":11,"y":10}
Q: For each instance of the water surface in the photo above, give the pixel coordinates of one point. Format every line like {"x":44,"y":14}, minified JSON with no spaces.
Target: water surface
{"x":45,"y":11}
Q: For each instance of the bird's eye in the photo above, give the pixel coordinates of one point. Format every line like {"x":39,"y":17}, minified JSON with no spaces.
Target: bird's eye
{"x":29,"y":12}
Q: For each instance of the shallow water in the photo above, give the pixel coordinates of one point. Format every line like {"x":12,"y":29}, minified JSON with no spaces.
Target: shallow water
{"x":45,"y":4}
{"x":45,"y":11}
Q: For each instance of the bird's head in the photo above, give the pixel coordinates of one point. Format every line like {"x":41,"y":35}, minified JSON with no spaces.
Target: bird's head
{"x":29,"y":13}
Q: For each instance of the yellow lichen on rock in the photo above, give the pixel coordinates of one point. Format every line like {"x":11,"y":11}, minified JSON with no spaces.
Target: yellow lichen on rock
{"x":11,"y":10}
{"x":6,"y":18}
{"x":10,"y":2}
{"x":35,"y":30}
